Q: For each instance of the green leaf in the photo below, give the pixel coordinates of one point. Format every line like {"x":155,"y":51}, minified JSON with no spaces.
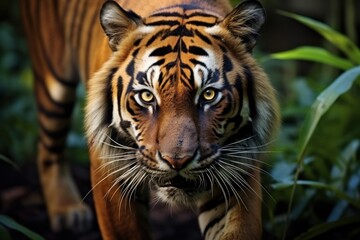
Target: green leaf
{"x":337,"y":39}
{"x":319,"y":185}
{"x":10,"y":223}
{"x":323,"y":102}
{"x":315,"y":54}
{"x":318,"y":230}
{"x":9,"y":161}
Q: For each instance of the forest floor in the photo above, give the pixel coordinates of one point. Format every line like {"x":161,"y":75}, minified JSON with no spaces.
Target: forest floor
{"x":21,"y":199}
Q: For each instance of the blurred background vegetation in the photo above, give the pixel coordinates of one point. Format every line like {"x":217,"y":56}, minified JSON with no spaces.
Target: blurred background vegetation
{"x":314,"y":169}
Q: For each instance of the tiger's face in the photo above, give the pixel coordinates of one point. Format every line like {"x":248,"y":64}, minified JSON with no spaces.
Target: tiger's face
{"x":190,"y":108}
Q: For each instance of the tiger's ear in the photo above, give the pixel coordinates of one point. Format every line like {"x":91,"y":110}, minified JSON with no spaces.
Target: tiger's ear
{"x":245,"y":21}
{"x":117,"y":22}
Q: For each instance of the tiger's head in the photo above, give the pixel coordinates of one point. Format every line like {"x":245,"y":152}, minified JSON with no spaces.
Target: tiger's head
{"x":181,"y":105}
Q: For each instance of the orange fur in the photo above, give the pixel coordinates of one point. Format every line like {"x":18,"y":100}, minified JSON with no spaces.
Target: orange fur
{"x":173,"y":137}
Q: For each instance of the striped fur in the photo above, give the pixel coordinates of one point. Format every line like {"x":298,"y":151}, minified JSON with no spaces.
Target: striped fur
{"x":176,"y":105}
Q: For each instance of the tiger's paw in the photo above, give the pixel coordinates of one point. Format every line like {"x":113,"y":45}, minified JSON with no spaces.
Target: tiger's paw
{"x":74,"y":217}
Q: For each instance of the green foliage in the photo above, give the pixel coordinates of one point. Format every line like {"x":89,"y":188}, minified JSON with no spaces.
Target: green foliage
{"x":18,"y":128}
{"x":324,"y":173}
{"x":10,"y":223}
{"x":315,"y":54}
{"x":337,"y":39}
{"x":316,"y":171}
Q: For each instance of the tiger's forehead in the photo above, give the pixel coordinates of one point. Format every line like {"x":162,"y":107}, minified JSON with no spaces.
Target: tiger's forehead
{"x":177,"y":44}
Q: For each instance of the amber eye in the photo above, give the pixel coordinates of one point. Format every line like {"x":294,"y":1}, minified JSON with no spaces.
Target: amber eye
{"x":209,"y":94}
{"x":146,"y":96}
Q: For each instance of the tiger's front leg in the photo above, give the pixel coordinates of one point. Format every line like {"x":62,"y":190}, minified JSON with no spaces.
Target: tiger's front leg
{"x":118,"y":216}
{"x":64,"y":204}
{"x":240,"y":219}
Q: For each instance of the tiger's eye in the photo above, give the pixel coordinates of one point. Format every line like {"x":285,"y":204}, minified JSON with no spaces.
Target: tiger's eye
{"x":209,"y":94}
{"x":147,"y":96}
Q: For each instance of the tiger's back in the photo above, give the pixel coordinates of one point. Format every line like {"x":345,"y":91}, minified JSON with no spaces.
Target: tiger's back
{"x":176,"y":103}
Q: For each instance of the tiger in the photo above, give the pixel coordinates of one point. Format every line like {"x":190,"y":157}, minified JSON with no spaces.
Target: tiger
{"x":177,"y":109}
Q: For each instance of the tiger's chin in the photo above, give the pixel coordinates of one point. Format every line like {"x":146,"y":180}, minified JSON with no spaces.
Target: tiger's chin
{"x":179,"y":192}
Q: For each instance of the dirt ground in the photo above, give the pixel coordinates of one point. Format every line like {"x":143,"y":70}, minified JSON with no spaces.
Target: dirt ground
{"x":21,"y":199}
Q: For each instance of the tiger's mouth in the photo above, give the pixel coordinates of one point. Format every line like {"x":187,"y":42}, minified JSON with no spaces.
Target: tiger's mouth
{"x":179,"y":182}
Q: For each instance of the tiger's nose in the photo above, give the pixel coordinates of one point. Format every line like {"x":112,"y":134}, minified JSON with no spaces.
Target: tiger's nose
{"x":176,"y":162}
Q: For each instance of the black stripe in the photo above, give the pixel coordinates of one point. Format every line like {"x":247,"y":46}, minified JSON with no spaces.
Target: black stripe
{"x":158,"y":63}
{"x":128,"y":107}
{"x":219,"y":231}
{"x":153,"y":38}
{"x":55,"y":134}
{"x":187,"y":82}
{"x":212,"y":223}
{"x":56,"y":148}
{"x":183,"y":47}
{"x":52,"y":114}
{"x":248,"y":131}
{"x":194,"y":61}
{"x":160,"y":80}
{"x":200,"y":14}
{"x":223,"y":48}
{"x":211,"y":204}
{"x":63,"y":81}
{"x":47,"y":163}
{"x":56,"y":9}
{"x":179,"y":31}
{"x":213,"y":77}
{"x":137,"y":42}
{"x":226,"y":110}
{"x":250,"y":92}
{"x":161,"y":51}
{"x":239,"y":88}
{"x":141,"y":78}
{"x":167,"y":14}
{"x":167,"y":23}
{"x":227,"y":64}
{"x":108,"y":95}
{"x":170,"y":65}
{"x":199,"y":23}
{"x":197,"y":51}
{"x":202,"y":37}
{"x":186,"y":16}
{"x":237,"y":119}
{"x":120,"y":90}
{"x":130,"y":68}
{"x":135,"y":52}
{"x":218,"y":37}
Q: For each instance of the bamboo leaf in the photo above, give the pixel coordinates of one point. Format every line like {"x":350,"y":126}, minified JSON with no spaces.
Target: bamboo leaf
{"x":10,"y":223}
{"x":319,"y":185}
{"x":337,"y":39}
{"x":323,"y":102}
{"x":315,"y":54}
{"x":9,"y":161}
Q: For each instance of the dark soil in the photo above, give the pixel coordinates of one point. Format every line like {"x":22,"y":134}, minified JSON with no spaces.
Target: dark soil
{"x":21,"y":199}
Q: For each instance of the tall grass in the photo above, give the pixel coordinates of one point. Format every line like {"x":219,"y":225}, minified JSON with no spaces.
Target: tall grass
{"x":321,"y":173}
